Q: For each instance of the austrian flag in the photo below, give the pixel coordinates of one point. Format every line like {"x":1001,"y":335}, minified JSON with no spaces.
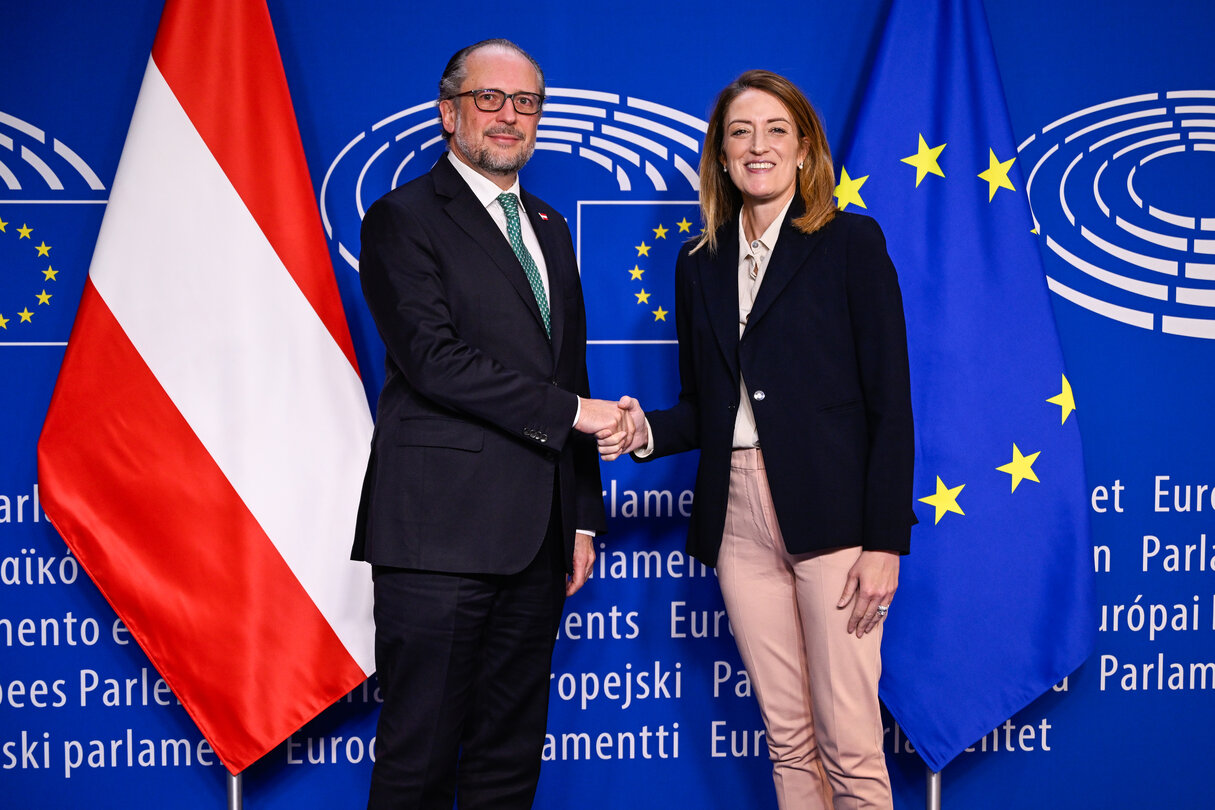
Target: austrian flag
{"x":206,"y":440}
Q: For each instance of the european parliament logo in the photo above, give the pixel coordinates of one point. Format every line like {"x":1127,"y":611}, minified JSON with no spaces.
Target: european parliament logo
{"x":623,"y":169}
{"x":1120,"y":193}
{"x":50,"y":206}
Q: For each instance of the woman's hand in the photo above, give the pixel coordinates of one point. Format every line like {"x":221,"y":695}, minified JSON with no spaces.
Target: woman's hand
{"x":871,"y":584}
{"x":633,"y":434}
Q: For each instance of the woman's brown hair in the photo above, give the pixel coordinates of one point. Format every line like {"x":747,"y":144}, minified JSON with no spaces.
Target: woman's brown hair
{"x":720,"y":200}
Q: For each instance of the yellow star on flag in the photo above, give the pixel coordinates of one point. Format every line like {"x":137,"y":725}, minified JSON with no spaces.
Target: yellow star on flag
{"x":944,"y":500}
{"x":3,"y":225}
{"x":636,"y":273}
{"x":660,"y":232}
{"x":25,"y":231}
{"x":26,"y":315}
{"x":1021,"y":467}
{"x":1064,"y":399}
{"x":925,"y":161}
{"x":44,"y":297}
{"x":660,"y":314}
{"x":44,"y":249}
{"x":3,"y":322}
{"x":643,"y":297}
{"x":996,"y":174}
{"x":643,"y":249}
{"x":49,"y":274}
{"x":849,"y":190}
{"x":684,"y":225}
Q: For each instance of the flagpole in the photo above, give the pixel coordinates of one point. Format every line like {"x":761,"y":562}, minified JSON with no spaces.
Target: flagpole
{"x":234,"y":791}
{"x":933,"y":794}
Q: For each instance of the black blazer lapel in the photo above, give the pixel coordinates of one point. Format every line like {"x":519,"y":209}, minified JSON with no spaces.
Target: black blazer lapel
{"x":468,"y":213}
{"x":793,"y":250}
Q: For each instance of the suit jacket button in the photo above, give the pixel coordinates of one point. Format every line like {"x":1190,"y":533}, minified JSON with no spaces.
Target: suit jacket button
{"x":542,"y":438}
{"x":758,"y":396}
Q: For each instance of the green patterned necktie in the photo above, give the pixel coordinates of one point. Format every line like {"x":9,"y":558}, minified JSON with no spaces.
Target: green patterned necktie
{"x":510,"y":206}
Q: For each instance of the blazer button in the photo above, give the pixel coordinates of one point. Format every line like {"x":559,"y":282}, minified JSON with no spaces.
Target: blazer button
{"x":542,"y":438}
{"x":758,"y":396}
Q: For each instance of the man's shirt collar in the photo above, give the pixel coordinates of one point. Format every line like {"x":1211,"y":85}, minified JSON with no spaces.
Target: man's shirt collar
{"x":485,"y":190}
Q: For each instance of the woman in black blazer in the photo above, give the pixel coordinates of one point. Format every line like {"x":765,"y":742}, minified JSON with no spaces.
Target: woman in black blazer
{"x":793,"y":367}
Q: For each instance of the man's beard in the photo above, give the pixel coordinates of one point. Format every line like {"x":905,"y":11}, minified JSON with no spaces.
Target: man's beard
{"x":489,"y":161}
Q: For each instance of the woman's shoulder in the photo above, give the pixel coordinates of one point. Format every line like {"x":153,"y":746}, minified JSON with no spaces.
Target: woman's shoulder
{"x":849,"y":223}
{"x":697,"y":252}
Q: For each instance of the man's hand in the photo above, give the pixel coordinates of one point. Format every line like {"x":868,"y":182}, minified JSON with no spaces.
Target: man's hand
{"x":612,"y":445}
{"x":871,"y":584}
{"x":600,"y":417}
{"x":584,"y":561}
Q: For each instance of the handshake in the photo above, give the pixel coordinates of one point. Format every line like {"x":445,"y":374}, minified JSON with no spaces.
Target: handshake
{"x":619,"y":427}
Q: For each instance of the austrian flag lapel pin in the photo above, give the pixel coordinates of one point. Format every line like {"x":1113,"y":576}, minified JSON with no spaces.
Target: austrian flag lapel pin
{"x":543,"y":216}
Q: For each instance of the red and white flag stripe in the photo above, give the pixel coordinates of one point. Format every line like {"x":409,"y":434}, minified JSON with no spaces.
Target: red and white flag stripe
{"x":205,"y":445}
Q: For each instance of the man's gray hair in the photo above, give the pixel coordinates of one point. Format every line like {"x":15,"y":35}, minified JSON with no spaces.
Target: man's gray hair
{"x":457,"y":67}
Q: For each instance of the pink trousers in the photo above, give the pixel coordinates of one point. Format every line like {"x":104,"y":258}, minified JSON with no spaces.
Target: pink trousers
{"x":816,"y":684}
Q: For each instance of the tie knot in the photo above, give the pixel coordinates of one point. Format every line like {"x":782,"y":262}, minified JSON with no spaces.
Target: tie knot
{"x":509,"y":203}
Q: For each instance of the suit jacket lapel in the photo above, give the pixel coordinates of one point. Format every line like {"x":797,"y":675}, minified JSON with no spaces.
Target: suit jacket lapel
{"x":466,"y":210}
{"x":792,"y":251}
{"x":719,"y":281}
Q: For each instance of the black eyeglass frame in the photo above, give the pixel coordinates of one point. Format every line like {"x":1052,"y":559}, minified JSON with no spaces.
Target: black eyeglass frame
{"x":475,"y":94}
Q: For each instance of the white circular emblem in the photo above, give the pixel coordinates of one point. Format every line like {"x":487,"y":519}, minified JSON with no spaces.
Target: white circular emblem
{"x":1112,"y":192}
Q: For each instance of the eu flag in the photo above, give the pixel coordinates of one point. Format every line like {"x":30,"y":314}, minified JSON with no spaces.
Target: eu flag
{"x":627,"y":253}
{"x":995,"y":603}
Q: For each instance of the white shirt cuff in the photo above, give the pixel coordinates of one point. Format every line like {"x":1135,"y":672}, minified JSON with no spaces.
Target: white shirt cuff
{"x":648,"y":450}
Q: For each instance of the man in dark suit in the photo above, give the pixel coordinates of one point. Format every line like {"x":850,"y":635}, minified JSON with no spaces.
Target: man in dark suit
{"x":482,"y":491}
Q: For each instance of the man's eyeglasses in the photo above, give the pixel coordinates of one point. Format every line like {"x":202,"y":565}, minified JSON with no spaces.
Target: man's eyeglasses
{"x":489,"y":100}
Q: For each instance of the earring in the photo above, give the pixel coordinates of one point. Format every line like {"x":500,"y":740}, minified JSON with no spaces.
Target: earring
{"x":800,"y":163}
{"x":723,"y":167}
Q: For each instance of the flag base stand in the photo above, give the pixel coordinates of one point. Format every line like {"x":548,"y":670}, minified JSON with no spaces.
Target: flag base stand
{"x":234,"y":791}
{"x":932,"y":798}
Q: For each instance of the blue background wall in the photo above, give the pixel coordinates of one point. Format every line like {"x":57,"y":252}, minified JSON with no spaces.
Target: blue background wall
{"x":1110,"y":736}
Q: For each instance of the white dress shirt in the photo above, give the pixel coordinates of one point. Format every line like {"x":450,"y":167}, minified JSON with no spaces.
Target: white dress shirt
{"x":486,"y":191}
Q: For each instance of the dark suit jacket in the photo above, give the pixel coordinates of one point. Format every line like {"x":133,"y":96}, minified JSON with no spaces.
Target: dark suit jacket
{"x":474,"y":423}
{"x":824,"y":357}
